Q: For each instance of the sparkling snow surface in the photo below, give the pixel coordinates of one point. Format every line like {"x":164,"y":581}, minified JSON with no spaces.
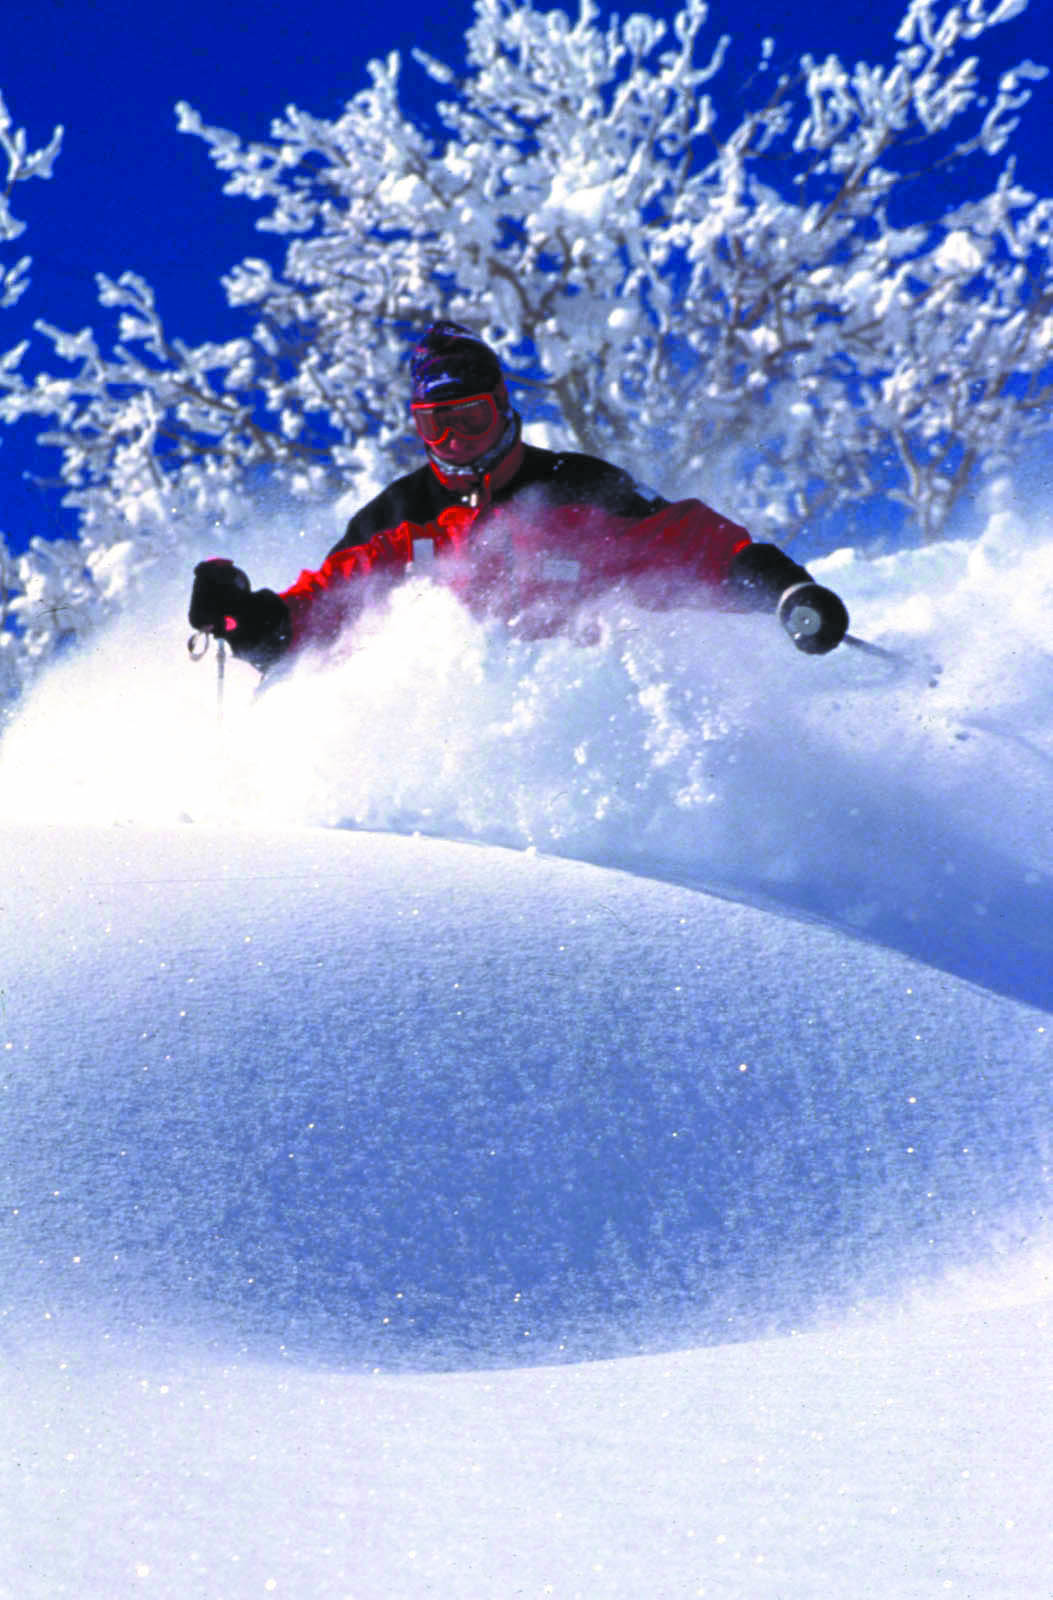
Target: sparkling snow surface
{"x":613,"y":1161}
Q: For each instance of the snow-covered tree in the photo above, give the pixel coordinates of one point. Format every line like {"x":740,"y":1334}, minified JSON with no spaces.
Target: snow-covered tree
{"x":768,"y":300}
{"x":22,"y":164}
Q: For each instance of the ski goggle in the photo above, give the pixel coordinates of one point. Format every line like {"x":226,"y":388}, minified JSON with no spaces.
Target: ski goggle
{"x":472,"y":418}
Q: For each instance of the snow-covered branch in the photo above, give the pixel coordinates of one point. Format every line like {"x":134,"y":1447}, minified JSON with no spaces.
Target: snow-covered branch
{"x":22,"y":164}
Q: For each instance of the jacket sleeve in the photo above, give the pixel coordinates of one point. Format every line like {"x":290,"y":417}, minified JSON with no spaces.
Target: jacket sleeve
{"x":322,"y":602}
{"x":690,"y":536}
{"x":685,"y":538}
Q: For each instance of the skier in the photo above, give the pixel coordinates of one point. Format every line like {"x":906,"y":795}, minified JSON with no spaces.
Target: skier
{"x":516,"y":531}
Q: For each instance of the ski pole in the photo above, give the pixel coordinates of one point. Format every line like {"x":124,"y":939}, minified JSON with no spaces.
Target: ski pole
{"x":197,"y":648}
{"x":897,"y":659}
{"x":221,"y":673}
{"x":874,"y":649}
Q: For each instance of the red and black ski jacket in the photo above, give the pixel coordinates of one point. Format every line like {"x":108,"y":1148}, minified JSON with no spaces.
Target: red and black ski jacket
{"x":550,"y":532}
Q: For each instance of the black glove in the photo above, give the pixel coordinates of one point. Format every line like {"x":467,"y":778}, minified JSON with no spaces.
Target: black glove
{"x":219,"y":596}
{"x":254,"y":622}
{"x":814,"y":617}
{"x":763,"y":578}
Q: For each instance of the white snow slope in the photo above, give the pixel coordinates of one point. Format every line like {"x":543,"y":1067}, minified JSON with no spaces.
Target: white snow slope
{"x":614,"y":1161}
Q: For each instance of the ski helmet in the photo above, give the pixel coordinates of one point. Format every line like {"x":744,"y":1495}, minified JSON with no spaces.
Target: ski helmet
{"x":451,"y":363}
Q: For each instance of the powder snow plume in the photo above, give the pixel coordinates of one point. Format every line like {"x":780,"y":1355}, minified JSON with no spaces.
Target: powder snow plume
{"x":690,"y":744}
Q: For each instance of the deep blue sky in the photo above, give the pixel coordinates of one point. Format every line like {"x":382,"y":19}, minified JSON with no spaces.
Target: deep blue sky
{"x":130,"y":192}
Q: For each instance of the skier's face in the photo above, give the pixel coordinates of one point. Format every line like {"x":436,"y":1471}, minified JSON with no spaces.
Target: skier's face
{"x":459,"y":431}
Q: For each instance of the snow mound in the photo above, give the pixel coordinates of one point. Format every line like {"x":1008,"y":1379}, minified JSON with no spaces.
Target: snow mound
{"x":390,"y":1101}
